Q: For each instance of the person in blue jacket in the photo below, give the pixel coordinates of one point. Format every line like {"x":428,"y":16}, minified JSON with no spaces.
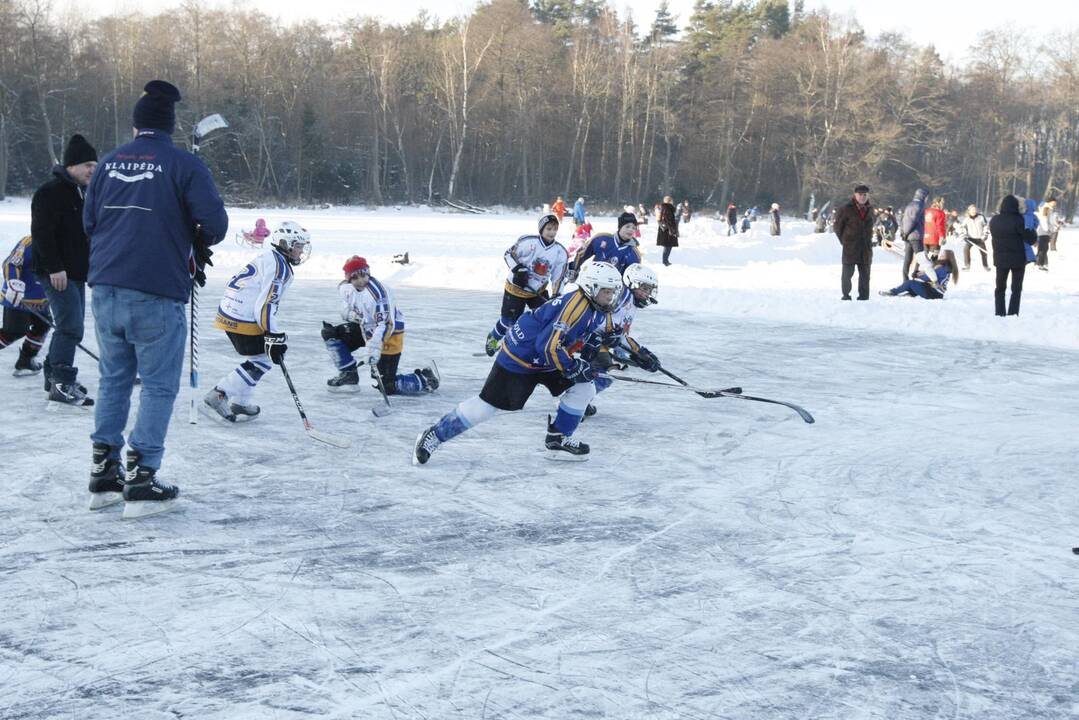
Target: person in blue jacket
{"x":539,"y":350}
{"x":22,"y":293}
{"x":578,"y":212}
{"x":912,"y":230}
{"x":930,"y":286}
{"x":152,"y":211}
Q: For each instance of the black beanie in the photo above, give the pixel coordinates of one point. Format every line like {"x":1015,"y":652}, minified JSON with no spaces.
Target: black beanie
{"x":156,"y":109}
{"x":626,"y":218}
{"x":78,"y":151}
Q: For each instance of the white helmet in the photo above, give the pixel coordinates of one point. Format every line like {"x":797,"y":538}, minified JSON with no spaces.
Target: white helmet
{"x":597,"y":276}
{"x":290,"y":236}
{"x":636,"y":276}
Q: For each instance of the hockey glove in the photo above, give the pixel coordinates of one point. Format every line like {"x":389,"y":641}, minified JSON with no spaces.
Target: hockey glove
{"x":203,"y":253}
{"x":521,"y":275}
{"x":329,"y":332}
{"x":580,"y":372}
{"x":374,"y":354}
{"x":14,"y":291}
{"x":591,"y":347}
{"x":569,"y":276}
{"x":276,"y":346}
{"x":645,"y":359}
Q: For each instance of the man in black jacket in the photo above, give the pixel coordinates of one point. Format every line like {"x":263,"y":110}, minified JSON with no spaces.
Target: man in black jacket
{"x":1009,"y":234}
{"x":854,"y":228}
{"x":61,"y":258}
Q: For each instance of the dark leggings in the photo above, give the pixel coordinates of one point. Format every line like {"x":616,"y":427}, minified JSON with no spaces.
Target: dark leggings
{"x":667,"y":255}
{"x":1043,"y":251}
{"x":1017,"y":288}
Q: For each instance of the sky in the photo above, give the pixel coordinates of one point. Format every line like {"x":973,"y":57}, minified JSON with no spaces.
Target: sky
{"x":952,"y":27}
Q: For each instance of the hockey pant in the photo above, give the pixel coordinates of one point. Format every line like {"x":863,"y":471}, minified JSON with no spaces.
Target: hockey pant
{"x":21,"y":324}
{"x":512,"y":308}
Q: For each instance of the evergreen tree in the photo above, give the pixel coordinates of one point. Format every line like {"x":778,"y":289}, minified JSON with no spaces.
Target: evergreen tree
{"x":663,"y":26}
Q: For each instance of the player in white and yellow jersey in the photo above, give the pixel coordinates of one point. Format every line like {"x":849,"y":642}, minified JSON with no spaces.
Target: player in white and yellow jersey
{"x":535,"y":263}
{"x":248,"y":315}
{"x":372,"y":320}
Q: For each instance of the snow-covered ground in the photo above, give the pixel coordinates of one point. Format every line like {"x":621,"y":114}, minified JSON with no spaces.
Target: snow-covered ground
{"x":907,"y":556}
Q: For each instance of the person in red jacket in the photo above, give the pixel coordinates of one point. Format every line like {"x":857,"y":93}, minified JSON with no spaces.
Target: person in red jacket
{"x":936,"y":225}
{"x":559,"y":209}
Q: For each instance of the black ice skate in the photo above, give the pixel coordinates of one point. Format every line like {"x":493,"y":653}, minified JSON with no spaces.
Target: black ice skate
{"x":348,"y":380}
{"x":71,"y":394}
{"x":26,"y":365}
{"x":429,"y":377}
{"x":143,"y":494}
{"x":244,"y":413}
{"x":561,"y":447}
{"x":426,"y":443}
{"x":216,"y":404}
{"x":106,"y":479}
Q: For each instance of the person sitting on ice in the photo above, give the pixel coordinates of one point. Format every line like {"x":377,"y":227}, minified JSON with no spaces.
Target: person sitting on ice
{"x":580,"y":238}
{"x":256,"y":237}
{"x":248,"y":315}
{"x":372,"y":320}
{"x":21,"y":294}
{"x":539,"y":350}
{"x":536,"y":263}
{"x":930,"y":286}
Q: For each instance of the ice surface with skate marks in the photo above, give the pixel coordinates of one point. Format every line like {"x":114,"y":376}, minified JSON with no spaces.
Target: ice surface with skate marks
{"x":908,"y":556}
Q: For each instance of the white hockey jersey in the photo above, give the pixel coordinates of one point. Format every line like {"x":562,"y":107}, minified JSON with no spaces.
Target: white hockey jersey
{"x":546,"y":265}
{"x":373,"y":307}
{"x":622,"y":319}
{"x":249,"y":306}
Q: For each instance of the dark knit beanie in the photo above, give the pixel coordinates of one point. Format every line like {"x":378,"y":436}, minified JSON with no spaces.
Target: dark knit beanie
{"x":626,"y":219}
{"x":78,"y":151}
{"x":156,"y":109}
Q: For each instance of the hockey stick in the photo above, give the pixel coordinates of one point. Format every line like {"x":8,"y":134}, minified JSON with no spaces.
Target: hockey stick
{"x":202,"y":128}
{"x":48,"y":322}
{"x":721,"y":393}
{"x":680,"y":381}
{"x":378,"y":410}
{"x":328,"y":438}
{"x":979,"y":247}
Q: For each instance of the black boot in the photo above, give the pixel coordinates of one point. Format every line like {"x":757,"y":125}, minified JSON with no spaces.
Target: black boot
{"x":106,"y":478}
{"x":143,"y":493}
{"x":27,"y":364}
{"x":562,"y":447}
{"x":345,"y":378}
{"x":430,"y":378}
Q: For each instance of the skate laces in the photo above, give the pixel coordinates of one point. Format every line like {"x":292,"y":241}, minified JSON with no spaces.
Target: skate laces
{"x":430,"y":441}
{"x":570,"y":441}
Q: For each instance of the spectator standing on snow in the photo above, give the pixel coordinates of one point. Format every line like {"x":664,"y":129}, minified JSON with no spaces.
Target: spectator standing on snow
{"x":686,"y":213}
{"x":60,"y":258}
{"x":578,"y":213}
{"x":912,"y":230}
{"x":151,"y":215}
{"x":1045,"y":232}
{"x":1010,"y":236}
{"x":732,"y":219}
{"x":936,"y":227}
{"x":774,"y":213}
{"x":558,"y":207}
{"x":854,"y":227}
{"x":972,"y":230}
{"x":1056,"y":221}
{"x":667,"y":235}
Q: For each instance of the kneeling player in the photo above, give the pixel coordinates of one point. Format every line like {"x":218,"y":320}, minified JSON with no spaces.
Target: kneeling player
{"x":23,"y":293}
{"x":538,"y":351}
{"x":248,"y":315}
{"x":372,"y":320}
{"x":535,"y":261}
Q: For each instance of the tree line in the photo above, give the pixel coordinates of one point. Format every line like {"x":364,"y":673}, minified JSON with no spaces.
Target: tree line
{"x":753,"y":101}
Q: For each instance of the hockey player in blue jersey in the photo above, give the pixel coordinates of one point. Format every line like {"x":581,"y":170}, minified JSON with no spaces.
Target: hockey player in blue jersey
{"x":538,"y":350}
{"x":619,"y":249}
{"x":21,"y":294}
{"x":535,"y":262}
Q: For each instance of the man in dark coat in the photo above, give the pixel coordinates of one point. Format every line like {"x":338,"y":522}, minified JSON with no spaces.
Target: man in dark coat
{"x":60,"y":258}
{"x":854,"y":228}
{"x":732,"y":218}
{"x":667,"y":236}
{"x":1009,"y":234}
{"x":912,"y":230}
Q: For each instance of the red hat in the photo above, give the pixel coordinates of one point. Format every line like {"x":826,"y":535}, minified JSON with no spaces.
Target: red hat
{"x":354,"y":265}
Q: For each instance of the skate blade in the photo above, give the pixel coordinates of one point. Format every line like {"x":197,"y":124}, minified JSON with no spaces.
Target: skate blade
{"x":24,"y":373}
{"x":563,"y":456}
{"x":241,"y":418}
{"x":54,"y":406}
{"x":381,"y":410}
{"x":105,"y":499}
{"x":144,"y":508}
{"x":215,"y":415}
{"x":344,"y":389}
{"x":329,"y":438}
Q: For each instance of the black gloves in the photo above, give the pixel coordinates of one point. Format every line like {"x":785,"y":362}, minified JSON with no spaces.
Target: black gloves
{"x":580,"y":372}
{"x":276,"y":347}
{"x":645,"y":359}
{"x":203,"y":253}
{"x":521,"y":275}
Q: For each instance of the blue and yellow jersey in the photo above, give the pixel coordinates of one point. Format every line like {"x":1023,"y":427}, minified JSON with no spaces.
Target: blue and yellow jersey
{"x":17,"y":267}
{"x":606,"y":247}
{"x":252,"y":296}
{"x":546,"y":338}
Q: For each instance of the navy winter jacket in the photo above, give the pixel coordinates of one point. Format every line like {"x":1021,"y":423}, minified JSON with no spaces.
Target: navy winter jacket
{"x":143,"y":205}
{"x":912,"y":223}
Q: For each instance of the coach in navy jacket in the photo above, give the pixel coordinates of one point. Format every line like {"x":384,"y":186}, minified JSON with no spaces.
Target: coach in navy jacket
{"x":146,"y":206}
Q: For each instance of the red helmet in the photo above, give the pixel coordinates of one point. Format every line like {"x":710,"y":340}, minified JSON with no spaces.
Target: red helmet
{"x":354,"y":265}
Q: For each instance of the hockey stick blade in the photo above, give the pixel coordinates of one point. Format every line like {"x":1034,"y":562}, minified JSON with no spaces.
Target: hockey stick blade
{"x":329,"y":438}
{"x":802,"y":412}
{"x":381,"y":410}
{"x":721,"y":393}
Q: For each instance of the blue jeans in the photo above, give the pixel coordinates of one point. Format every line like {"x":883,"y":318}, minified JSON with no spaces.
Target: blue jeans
{"x":68,"y":308}
{"x":137,"y":333}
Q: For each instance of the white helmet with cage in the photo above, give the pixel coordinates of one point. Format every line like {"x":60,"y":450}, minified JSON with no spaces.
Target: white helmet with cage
{"x":598,"y":276}
{"x":293,"y":241}
{"x":640,"y":277}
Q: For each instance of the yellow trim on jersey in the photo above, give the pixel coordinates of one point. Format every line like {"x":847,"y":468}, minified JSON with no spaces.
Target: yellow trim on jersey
{"x":518,"y":292}
{"x":516,"y":359}
{"x":240,"y":327}
{"x":394,"y":344}
{"x":569,"y":316}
